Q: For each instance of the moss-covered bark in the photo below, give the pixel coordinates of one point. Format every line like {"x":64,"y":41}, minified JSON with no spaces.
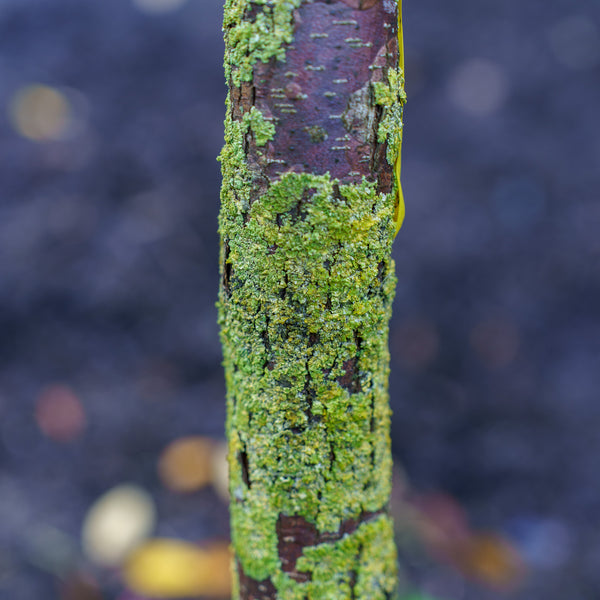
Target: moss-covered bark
{"x":310,"y":206}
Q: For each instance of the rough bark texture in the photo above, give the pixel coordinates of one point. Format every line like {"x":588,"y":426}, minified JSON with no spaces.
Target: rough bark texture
{"x":309,"y":198}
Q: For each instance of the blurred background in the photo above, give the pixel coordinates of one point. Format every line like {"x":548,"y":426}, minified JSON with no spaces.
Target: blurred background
{"x":111,"y":390}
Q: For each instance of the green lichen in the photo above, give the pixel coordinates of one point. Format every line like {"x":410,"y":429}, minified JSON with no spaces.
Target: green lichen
{"x":371,"y":575}
{"x":262,"y":129}
{"x":391,"y":97}
{"x":314,"y":448}
{"x":317,"y":133}
{"x":237,"y":178}
{"x":373,"y":550}
{"x":261,"y":39}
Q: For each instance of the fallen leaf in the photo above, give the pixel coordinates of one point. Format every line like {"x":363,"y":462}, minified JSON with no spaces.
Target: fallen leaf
{"x":443,"y":527}
{"x":491,"y":559}
{"x":166,"y":568}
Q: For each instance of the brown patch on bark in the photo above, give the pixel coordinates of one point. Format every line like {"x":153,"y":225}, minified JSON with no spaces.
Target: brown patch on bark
{"x":252,"y":12}
{"x":295,"y":533}
{"x":350,"y":379}
{"x":361,"y":4}
{"x":243,"y":99}
{"x":251,"y":589}
{"x":320,"y":97}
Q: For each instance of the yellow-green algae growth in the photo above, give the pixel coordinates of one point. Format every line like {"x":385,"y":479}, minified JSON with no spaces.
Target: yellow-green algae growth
{"x":304,"y":306}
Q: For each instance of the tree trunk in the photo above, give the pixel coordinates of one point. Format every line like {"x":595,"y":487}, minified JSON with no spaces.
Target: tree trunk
{"x":310,"y":207}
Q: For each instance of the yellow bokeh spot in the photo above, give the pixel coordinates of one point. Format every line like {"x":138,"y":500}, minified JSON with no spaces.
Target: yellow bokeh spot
{"x":167,"y":568}
{"x":39,"y":112}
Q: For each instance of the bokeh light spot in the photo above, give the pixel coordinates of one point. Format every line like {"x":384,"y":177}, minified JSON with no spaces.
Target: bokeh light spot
{"x":220,"y":470}
{"x":478,"y":87}
{"x":59,"y":413}
{"x":40,"y":113}
{"x":158,"y":6}
{"x":575,"y":42}
{"x":51,"y":549}
{"x":415,"y":343}
{"x":495,"y":341}
{"x":116,"y":523}
{"x":80,"y":586}
{"x":545,"y":543}
{"x":443,"y":527}
{"x":491,"y":559}
{"x":186,"y":464}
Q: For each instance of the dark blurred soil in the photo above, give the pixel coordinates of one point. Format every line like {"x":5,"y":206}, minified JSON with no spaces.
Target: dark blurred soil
{"x":109,"y":274}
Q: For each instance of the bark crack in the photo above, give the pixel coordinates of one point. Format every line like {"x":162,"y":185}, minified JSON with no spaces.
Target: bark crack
{"x":269,"y":363}
{"x":227,"y":270}
{"x":243,"y":460}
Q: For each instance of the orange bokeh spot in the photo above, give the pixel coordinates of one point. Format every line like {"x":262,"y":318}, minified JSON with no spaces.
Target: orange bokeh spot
{"x":186,"y":464}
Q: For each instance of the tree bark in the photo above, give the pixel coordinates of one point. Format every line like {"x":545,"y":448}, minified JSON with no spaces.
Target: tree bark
{"x":310,"y":205}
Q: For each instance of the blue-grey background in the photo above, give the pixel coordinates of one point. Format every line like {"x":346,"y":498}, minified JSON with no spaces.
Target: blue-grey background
{"x":109,"y":272}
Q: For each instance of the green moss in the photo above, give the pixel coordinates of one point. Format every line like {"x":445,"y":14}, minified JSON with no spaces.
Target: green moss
{"x":261,"y":39}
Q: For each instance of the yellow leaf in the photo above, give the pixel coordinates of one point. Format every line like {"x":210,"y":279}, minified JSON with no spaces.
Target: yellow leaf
{"x":165,"y":568}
